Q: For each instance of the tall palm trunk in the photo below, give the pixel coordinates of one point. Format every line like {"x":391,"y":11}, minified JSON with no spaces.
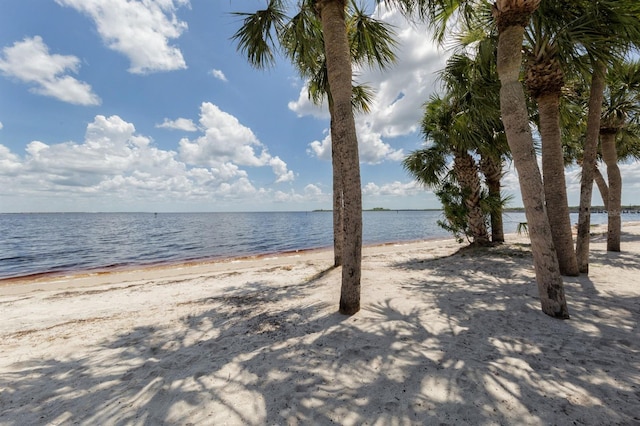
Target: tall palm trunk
{"x":588,"y":166}
{"x":511,"y":16}
{"x":492,"y":171}
{"x":338,"y":212}
{"x":555,"y":187}
{"x":332,"y":16}
{"x":338,"y":196}
{"x":466,"y":172}
{"x":614,"y":204}
{"x":602,"y":187}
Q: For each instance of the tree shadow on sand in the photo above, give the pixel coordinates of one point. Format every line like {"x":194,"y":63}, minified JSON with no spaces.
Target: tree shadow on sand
{"x":559,"y":372}
{"x":469,"y":351}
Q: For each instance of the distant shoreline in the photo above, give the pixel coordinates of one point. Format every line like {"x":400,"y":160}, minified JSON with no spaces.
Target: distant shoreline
{"x":572,"y":209}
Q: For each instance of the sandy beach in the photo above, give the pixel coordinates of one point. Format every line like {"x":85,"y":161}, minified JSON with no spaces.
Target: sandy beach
{"x":445,"y":336}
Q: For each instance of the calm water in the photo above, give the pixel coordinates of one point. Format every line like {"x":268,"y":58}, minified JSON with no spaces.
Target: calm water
{"x":65,"y":242}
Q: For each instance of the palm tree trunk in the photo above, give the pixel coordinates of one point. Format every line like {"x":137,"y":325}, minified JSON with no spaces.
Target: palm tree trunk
{"x":492,"y":171}
{"x":338,"y":225}
{"x":555,"y":187}
{"x":466,"y":172}
{"x":338,"y":197}
{"x":332,"y":16}
{"x":610,"y":157}
{"x":588,"y":166}
{"x":602,"y":187}
{"x":515,"y":116}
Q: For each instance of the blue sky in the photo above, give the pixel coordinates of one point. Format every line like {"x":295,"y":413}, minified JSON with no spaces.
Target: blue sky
{"x":116,"y":105}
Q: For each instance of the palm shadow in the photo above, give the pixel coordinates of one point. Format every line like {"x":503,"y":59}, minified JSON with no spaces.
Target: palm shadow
{"x":503,"y":340}
{"x":470,"y":351}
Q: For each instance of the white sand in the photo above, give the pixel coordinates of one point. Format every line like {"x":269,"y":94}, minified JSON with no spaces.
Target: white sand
{"x":441,"y":339}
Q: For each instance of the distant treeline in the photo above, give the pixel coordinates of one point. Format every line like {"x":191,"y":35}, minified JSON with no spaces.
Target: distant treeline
{"x":381,"y":209}
{"x":575,"y":209}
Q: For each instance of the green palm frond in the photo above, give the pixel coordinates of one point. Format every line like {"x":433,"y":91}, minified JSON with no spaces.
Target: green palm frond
{"x":429,"y":166}
{"x":372,"y":41}
{"x":362,"y":98}
{"x":622,"y":95}
{"x":318,"y":85}
{"x":628,"y":143}
{"x":303,"y":42}
{"x":255,"y":37}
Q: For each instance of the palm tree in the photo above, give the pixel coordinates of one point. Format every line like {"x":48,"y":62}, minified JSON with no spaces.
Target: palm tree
{"x":617,"y":26}
{"x":339,"y":75}
{"x":472,"y":77}
{"x":557,"y":36}
{"x":545,"y":80}
{"x":511,"y":17}
{"x":447,"y":127}
{"x":491,"y":166}
{"x":596,"y":94}
{"x":628,"y":149}
{"x":621,"y":108}
{"x":371,"y":43}
{"x":256,"y":40}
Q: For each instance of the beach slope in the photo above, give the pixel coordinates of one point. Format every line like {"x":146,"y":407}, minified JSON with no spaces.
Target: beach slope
{"x":445,"y":336}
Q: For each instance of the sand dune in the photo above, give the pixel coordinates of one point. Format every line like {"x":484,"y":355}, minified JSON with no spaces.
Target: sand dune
{"x":444,"y":337}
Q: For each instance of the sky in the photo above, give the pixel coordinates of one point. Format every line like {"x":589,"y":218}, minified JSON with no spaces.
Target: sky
{"x":147,"y":105}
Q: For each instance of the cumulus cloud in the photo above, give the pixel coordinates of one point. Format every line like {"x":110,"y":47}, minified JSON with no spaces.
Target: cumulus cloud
{"x":321,"y":149}
{"x":114,"y":160}
{"x":396,"y":188}
{"x":140,"y":30}
{"x":10,"y":164}
{"x":304,"y":107}
{"x":401,"y":91}
{"x":372,"y":148}
{"x":184,"y":124}
{"x":225,"y":139}
{"x":311,"y":194}
{"x":29,"y":61}
{"x":279,"y":168}
{"x":219,"y":75}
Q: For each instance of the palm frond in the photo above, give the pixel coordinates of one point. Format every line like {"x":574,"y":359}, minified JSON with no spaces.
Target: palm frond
{"x":362,"y":97}
{"x":428,"y":166}
{"x":255,"y":37}
{"x":303,"y":41}
{"x":372,"y":41}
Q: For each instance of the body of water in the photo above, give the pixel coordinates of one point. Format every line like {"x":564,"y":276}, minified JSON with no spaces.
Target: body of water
{"x":40,"y":243}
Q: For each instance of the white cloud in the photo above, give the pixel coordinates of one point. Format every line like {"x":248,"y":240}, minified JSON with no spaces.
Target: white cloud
{"x":321,"y":149}
{"x":311,"y":194}
{"x":313,"y":190}
{"x":140,"y":30}
{"x":280,"y":170}
{"x":304,"y":107}
{"x":227,"y":140}
{"x":30,"y":62}
{"x":10,"y":164}
{"x":396,"y":188}
{"x":219,"y":75}
{"x":372,"y":148}
{"x":184,"y":124}
{"x":1,"y":125}
{"x":402,"y":90}
{"x":115,"y":161}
